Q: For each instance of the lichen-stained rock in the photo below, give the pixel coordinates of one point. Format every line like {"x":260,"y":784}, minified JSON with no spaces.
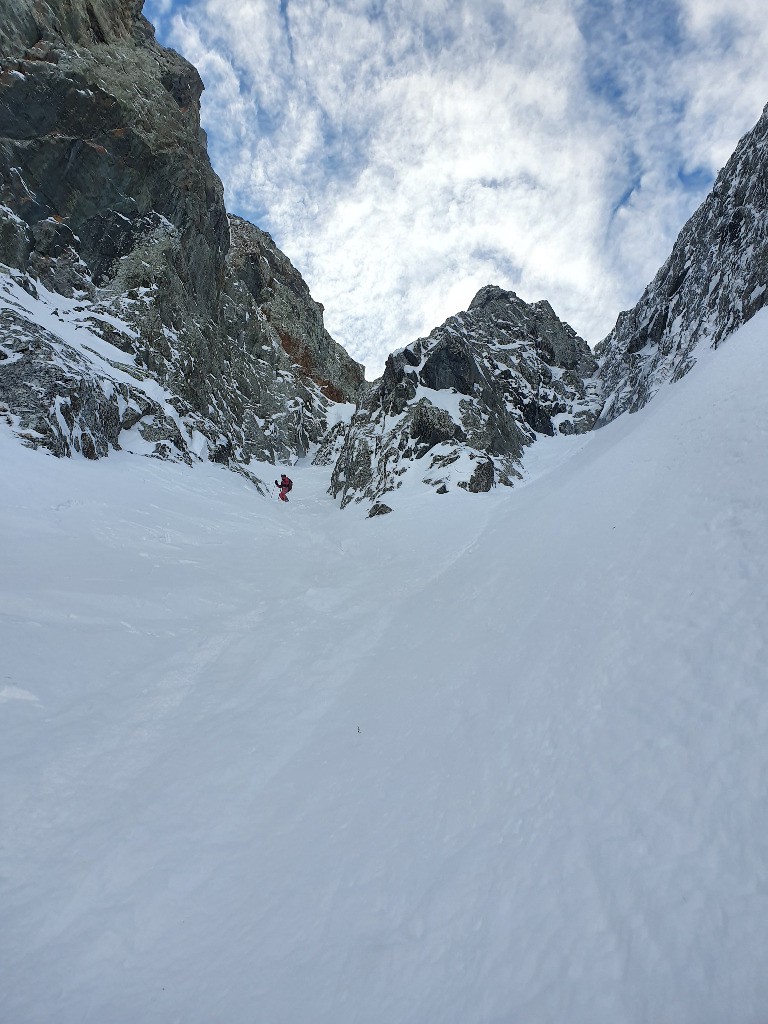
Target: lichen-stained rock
{"x":715,"y":279}
{"x":460,"y":406}
{"x":108,"y":199}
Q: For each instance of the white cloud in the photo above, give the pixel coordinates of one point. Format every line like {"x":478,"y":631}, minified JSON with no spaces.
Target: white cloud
{"x":404,"y":155}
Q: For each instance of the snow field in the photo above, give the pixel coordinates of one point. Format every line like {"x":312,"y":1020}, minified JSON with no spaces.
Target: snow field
{"x":553,"y":810}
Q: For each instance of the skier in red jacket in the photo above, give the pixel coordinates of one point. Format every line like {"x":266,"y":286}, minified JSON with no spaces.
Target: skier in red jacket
{"x":285,"y":484}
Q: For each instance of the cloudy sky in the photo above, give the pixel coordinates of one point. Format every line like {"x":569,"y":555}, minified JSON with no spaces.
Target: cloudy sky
{"x":404,"y":153}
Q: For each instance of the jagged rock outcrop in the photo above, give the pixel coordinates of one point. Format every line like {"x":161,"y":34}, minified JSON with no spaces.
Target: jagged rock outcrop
{"x":459,"y":407}
{"x":715,"y":279}
{"x":74,"y":397}
{"x":109,"y":201}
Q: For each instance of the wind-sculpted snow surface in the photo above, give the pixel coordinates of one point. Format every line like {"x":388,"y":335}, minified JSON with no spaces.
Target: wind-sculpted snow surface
{"x":458,"y":408}
{"x":715,"y":279}
{"x":505,"y":763}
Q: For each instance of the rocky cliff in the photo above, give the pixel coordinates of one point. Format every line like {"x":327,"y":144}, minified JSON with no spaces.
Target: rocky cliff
{"x":715,"y":279}
{"x":457,"y":408}
{"x":110,"y":203}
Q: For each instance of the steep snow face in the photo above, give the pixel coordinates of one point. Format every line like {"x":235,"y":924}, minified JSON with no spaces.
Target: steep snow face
{"x":715,"y":279}
{"x":458,"y":408}
{"x":492,"y":758}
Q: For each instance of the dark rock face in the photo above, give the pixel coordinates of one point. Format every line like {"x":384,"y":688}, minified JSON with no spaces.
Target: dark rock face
{"x":451,"y":365}
{"x":100,"y":136}
{"x":461,"y":405}
{"x":108,"y":199}
{"x":715,"y":279}
{"x":430,"y":426}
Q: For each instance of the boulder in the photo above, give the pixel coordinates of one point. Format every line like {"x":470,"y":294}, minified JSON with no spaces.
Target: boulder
{"x":379,"y":509}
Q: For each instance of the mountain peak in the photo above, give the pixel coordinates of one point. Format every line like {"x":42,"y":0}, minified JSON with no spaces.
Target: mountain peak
{"x":458,"y":408}
{"x":490,"y":293}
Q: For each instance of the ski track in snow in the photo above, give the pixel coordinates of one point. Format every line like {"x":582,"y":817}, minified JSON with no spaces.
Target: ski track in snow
{"x":493,"y":758}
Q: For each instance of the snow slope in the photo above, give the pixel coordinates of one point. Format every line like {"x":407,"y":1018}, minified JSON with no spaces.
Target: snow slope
{"x":492,"y":758}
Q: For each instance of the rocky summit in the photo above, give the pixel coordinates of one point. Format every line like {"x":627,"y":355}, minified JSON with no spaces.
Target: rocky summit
{"x":136,"y":314}
{"x":459,"y":406}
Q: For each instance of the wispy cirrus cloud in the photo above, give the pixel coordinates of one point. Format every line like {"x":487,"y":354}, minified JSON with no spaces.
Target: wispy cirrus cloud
{"x":404,"y":155}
